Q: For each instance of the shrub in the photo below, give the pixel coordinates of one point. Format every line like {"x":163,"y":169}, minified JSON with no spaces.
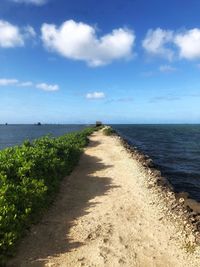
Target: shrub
{"x":29,"y":177}
{"x":108,"y":130}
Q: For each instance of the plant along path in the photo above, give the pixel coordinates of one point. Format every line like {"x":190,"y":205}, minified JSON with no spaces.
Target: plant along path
{"x":105,"y":215}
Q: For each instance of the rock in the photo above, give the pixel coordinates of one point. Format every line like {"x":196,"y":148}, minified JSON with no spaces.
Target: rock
{"x":150,"y":185}
{"x":191,"y":238}
{"x":81,"y":259}
{"x":161,"y":181}
{"x":174,"y":206}
{"x":182,"y":195}
{"x":192,"y":204}
{"x":181,"y":200}
{"x":148,"y":163}
{"x":198,"y":226}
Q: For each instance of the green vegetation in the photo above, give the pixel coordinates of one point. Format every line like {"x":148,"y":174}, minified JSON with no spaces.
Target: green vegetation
{"x":108,"y":130}
{"x":29,"y":178}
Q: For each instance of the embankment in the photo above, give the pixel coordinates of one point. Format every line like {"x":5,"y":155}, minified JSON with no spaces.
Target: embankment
{"x":110,"y":212}
{"x":179,"y":203}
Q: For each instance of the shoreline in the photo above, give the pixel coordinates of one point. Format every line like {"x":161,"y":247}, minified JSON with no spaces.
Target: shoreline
{"x":187,"y":209}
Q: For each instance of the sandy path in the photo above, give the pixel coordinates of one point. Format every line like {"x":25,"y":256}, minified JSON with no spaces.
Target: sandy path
{"x":105,"y":216}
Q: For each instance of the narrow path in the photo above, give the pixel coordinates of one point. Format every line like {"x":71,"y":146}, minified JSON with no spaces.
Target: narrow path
{"x":104,"y":215}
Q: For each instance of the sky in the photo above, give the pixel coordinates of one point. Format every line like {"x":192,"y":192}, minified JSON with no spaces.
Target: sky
{"x":117,"y":61}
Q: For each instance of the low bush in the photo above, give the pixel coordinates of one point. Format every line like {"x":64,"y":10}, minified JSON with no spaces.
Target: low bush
{"x":29,"y":177}
{"x":108,"y":130}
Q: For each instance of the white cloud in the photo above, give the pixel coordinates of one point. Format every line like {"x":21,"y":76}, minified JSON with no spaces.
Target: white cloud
{"x":167,"y":68}
{"x":34,"y":2}
{"x":10,"y":35}
{"x":167,"y":43}
{"x":189,"y":43}
{"x":47,"y":87}
{"x":13,"y":36}
{"x":78,"y":41}
{"x":95,"y":95}
{"x":17,"y":83}
{"x":6,"y":82}
{"x":156,"y":41}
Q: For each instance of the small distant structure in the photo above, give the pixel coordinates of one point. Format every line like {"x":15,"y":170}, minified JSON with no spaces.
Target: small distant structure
{"x":6,"y":123}
{"x":98,"y":123}
{"x":39,"y":124}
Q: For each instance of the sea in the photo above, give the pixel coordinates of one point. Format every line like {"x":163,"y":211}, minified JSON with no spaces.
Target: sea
{"x":174,"y":149}
{"x":11,"y":135}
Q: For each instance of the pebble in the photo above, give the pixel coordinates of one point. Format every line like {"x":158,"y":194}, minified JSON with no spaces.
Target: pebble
{"x":181,"y":200}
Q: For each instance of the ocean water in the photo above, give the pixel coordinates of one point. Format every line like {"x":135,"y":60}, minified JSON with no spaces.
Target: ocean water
{"x":175,"y":150}
{"x":11,"y":135}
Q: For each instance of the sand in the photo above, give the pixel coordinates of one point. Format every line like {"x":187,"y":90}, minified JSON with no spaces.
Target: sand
{"x":107,"y":215}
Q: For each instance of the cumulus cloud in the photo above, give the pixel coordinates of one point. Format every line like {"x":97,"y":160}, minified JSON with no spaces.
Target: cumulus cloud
{"x":34,"y":2}
{"x":10,"y":35}
{"x":189,"y":43}
{"x":95,"y":95}
{"x":167,"y":68}
{"x":78,"y":41}
{"x":6,"y":82}
{"x":13,"y":36}
{"x":170,"y":44}
{"x":156,"y":42}
{"x":47,"y":87}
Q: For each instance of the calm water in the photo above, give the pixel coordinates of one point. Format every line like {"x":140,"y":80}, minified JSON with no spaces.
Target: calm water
{"x":11,"y":135}
{"x":175,"y":149}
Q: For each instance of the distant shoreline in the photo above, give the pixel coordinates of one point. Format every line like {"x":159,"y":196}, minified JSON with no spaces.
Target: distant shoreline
{"x":4,"y":124}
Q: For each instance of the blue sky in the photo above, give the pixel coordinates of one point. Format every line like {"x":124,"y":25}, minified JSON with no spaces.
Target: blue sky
{"x":122,"y":61}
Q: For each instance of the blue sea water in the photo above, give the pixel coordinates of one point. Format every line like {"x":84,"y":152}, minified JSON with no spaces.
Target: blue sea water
{"x":11,"y":135}
{"x":175,"y":150}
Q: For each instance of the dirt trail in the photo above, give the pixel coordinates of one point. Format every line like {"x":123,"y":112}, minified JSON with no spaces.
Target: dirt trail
{"x":105,"y":215}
